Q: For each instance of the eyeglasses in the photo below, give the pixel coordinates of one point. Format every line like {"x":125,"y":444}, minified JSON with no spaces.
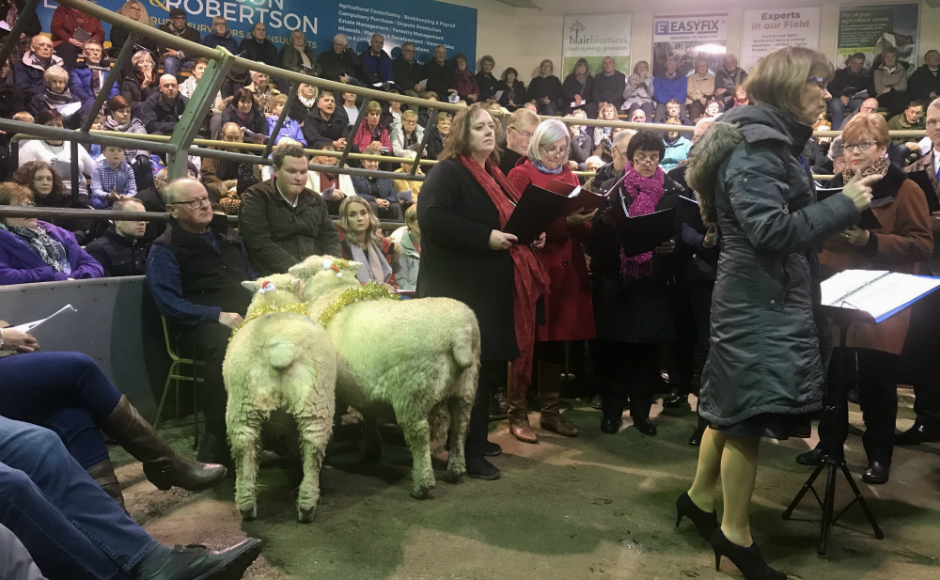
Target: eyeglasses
{"x":823,"y":82}
{"x":556,"y":152}
{"x":652,"y":160}
{"x":525,"y":134}
{"x":861,"y":146}
{"x":194,"y":203}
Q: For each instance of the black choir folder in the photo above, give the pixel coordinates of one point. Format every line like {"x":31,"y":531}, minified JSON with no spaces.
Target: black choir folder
{"x":873,"y":296}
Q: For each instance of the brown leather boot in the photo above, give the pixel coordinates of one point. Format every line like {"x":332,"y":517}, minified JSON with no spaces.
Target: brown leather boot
{"x":519,"y":418}
{"x":103,"y":474}
{"x":163,"y":466}
{"x":550,"y":397}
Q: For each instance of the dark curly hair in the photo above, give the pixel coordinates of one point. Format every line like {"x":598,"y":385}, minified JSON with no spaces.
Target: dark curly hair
{"x":646,"y":141}
{"x":25,"y":176}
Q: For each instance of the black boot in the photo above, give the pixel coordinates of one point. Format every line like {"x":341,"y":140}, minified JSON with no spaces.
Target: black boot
{"x":919,"y":433}
{"x":814,"y":457}
{"x":677,"y":398}
{"x":480,"y":468}
{"x":103,"y":474}
{"x":163,"y":466}
{"x":196,"y":562}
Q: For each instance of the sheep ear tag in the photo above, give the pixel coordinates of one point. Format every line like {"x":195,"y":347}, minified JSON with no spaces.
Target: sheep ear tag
{"x":267,"y":287}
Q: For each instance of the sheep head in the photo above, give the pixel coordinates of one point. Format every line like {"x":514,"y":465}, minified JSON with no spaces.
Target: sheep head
{"x":324,"y":273}
{"x":274,"y":292}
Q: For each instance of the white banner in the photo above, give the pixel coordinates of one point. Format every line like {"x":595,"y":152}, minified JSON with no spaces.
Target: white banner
{"x":594,"y":37}
{"x":689,"y":37}
{"x":766,"y":30}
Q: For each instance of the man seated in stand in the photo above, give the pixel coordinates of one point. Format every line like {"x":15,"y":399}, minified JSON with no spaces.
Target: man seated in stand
{"x":849,"y":87}
{"x":440,"y":74}
{"x":377,"y":65}
{"x":340,"y":64}
{"x":86,"y":81}
{"x":29,"y":72}
{"x":122,"y":250}
{"x":112,"y":179}
{"x":608,"y":85}
{"x":195,"y":270}
{"x":912,"y":119}
{"x":378,"y":190}
{"x":868,"y":106}
{"x":161,"y":112}
{"x":283,"y":222}
{"x":174,"y":60}
{"x":407,"y":71}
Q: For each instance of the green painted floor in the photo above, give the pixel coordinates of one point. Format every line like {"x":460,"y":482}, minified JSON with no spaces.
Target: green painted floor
{"x":593,"y":507}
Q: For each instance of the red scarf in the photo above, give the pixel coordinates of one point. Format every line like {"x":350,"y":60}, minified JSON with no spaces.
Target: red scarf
{"x":530,"y":281}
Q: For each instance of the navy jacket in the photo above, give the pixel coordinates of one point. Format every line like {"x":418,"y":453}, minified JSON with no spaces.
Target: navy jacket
{"x":80,"y":84}
{"x":213,"y":40}
{"x":363,"y":188}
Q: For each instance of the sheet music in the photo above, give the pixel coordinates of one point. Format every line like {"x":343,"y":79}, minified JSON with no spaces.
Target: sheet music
{"x":497,"y":95}
{"x":879,"y":293}
{"x":31,"y":326}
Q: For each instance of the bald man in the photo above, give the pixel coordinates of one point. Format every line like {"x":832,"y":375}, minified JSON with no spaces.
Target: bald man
{"x":867,"y":106}
{"x":376,"y":63}
{"x":194,"y":270}
{"x":28,"y":72}
{"x":162,"y":110}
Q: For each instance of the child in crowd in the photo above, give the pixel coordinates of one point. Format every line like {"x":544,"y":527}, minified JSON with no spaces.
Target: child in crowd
{"x":291,"y":127}
{"x":112,"y":179}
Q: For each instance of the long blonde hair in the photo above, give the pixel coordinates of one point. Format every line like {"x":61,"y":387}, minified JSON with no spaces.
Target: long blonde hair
{"x":144,"y":18}
{"x":372,"y":232}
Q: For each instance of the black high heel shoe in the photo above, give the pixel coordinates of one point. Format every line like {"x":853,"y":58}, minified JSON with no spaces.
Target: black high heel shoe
{"x":705,"y":522}
{"x":748,"y":560}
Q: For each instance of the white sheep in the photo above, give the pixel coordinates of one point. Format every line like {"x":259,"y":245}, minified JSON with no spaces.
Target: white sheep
{"x":422,"y":357}
{"x":280,"y":364}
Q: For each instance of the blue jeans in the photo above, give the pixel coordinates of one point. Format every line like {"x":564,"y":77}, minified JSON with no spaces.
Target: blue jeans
{"x":839,"y":110}
{"x":548,"y":109}
{"x":172,"y":65}
{"x":62,"y":391}
{"x":69,"y":525}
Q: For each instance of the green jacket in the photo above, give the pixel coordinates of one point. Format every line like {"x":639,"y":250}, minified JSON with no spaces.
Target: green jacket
{"x":899,"y":123}
{"x":277,"y":235}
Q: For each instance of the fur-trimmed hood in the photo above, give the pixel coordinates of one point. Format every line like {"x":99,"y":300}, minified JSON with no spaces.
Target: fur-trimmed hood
{"x":751,"y":123}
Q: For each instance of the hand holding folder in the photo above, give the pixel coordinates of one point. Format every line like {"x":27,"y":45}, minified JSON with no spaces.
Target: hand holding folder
{"x":539,"y":208}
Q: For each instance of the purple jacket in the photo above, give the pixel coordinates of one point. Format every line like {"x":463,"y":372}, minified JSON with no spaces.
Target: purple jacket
{"x":20,"y":264}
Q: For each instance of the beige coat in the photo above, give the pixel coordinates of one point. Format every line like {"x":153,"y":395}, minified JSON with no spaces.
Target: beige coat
{"x":700,"y":86}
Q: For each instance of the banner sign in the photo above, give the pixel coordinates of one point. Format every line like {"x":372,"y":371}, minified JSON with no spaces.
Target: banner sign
{"x":766,"y":30}
{"x":689,"y":37}
{"x":423,"y":22}
{"x":594,"y":37}
{"x":871,"y":29}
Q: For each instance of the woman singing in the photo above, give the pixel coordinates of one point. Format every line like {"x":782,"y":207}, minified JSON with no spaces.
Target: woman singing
{"x":464,"y":204}
{"x":770,"y":345}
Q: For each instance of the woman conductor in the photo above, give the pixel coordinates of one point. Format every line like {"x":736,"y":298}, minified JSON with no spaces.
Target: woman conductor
{"x":464,"y":203}
{"x":765,"y":370}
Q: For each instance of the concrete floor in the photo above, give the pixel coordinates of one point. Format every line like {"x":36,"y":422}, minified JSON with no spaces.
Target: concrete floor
{"x":594,"y":507}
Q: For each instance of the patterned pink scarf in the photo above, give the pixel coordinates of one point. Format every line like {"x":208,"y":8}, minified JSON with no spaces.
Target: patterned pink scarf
{"x":645,"y":193}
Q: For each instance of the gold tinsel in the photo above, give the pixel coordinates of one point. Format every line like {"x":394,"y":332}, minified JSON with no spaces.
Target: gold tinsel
{"x":292,"y":308}
{"x":370,"y":291}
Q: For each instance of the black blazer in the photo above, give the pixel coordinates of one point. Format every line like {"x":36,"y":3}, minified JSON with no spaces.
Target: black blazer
{"x":456,"y":217}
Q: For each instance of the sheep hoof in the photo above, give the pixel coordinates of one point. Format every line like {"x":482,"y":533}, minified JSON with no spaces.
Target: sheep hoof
{"x":421,"y":492}
{"x":305,"y":515}
{"x":453,"y":477}
{"x":249,"y":512}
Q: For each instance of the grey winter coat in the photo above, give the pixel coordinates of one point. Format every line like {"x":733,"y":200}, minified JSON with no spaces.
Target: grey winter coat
{"x":769,"y":342}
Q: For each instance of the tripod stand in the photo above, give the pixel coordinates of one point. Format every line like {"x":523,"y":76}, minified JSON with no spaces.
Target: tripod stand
{"x":837,"y":413}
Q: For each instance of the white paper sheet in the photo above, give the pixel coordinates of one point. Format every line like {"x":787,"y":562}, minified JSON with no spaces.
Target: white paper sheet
{"x":31,"y":326}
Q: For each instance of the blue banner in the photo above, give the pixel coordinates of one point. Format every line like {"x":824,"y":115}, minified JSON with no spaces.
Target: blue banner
{"x":423,"y":22}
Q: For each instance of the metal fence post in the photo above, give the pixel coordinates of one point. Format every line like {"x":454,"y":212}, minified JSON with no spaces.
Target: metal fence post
{"x":432,"y":122}
{"x":13,"y":38}
{"x":291,"y":98}
{"x":110,"y":79}
{"x":76,"y":169}
{"x":195,"y":114}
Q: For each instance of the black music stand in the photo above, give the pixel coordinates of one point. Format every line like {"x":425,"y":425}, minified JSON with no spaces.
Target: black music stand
{"x":836,"y":410}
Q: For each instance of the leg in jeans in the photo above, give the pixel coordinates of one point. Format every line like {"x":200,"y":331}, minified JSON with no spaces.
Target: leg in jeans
{"x":15,"y":561}
{"x":70,"y":526}
{"x":878,"y":398}
{"x":837,"y":112}
{"x":492,"y":372}
{"x":63,"y":391}
{"x":171,"y":65}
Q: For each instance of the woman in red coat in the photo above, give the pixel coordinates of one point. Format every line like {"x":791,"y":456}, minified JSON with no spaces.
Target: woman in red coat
{"x":569,"y":314}
{"x":65,"y":21}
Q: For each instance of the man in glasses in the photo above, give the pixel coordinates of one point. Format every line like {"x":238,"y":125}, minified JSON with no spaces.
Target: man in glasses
{"x":195,"y":270}
{"x":29,"y":72}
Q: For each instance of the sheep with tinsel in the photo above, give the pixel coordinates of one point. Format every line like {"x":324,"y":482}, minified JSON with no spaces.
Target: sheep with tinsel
{"x":280,"y":375}
{"x":427,"y":374}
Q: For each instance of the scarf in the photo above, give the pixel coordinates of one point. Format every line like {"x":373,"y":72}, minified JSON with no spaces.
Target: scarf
{"x":645,"y":193}
{"x":879,"y":167}
{"x":541,"y":167}
{"x":50,"y":250}
{"x":111,"y":125}
{"x":308,"y":103}
{"x":56,"y":99}
{"x":529,"y":281}
{"x":581,"y":78}
{"x":375,"y":267}
{"x":303,"y":55}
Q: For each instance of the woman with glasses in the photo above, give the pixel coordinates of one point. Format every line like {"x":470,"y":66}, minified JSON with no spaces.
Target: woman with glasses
{"x":902,"y":243}
{"x":769,"y":342}
{"x":141,"y":82}
{"x":35,"y":251}
{"x":631,"y":307}
{"x":567,"y":305}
